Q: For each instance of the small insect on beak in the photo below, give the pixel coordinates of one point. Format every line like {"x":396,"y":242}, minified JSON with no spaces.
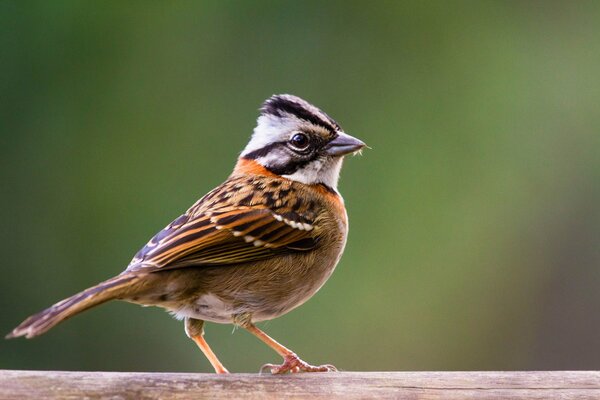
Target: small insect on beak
{"x":344,"y":144}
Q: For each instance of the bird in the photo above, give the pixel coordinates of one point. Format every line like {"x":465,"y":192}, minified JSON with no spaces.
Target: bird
{"x":252,"y":249}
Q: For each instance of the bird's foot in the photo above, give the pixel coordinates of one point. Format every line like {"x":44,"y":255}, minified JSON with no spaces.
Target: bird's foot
{"x":293,"y":364}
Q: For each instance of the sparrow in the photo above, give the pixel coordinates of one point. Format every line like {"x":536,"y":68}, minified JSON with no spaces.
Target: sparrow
{"x":252,"y":249}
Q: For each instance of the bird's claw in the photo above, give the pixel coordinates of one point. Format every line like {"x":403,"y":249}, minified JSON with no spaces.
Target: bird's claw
{"x":293,"y":364}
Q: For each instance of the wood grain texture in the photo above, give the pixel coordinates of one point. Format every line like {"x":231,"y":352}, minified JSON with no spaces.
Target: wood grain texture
{"x":340,"y":385}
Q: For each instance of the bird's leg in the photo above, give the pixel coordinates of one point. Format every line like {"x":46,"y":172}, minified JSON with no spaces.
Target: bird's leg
{"x":194,"y":328}
{"x":291,"y":362}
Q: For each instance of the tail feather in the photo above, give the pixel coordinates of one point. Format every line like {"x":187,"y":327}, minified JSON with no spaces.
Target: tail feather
{"x":101,"y":293}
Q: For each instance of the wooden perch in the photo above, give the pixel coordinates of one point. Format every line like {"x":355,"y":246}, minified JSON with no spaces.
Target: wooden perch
{"x":332,"y":385}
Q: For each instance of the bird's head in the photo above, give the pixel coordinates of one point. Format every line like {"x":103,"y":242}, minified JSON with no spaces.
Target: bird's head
{"x":298,"y":141}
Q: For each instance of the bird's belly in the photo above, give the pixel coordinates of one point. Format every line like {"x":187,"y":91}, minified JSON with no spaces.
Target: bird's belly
{"x":208,"y":307}
{"x":263,"y":290}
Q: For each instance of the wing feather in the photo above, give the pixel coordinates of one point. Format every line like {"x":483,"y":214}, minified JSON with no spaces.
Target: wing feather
{"x":230,"y":234}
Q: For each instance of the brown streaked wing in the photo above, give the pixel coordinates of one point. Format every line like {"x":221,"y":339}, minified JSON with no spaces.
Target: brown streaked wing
{"x":228,"y":236}
{"x":262,"y":227}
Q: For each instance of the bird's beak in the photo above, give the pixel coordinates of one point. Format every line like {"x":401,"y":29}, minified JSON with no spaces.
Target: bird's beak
{"x":343,"y":144}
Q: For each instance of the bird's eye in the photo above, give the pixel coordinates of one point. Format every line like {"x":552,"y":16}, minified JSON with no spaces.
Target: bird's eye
{"x":300,"y":141}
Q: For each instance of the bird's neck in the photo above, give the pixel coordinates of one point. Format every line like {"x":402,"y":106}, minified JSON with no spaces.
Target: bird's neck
{"x":249,"y":167}
{"x":246,"y":166}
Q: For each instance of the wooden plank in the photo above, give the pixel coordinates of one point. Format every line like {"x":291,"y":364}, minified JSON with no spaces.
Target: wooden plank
{"x":333,"y":385}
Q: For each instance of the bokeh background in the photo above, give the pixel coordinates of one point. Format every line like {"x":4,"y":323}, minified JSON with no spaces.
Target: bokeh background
{"x":475,"y":218}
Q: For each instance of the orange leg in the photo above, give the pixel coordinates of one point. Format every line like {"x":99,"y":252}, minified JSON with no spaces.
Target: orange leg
{"x":219,"y":368}
{"x":194,"y":328}
{"x":291,"y":362}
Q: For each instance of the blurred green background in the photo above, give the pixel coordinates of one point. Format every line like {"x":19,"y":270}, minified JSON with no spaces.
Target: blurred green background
{"x":475,"y":218}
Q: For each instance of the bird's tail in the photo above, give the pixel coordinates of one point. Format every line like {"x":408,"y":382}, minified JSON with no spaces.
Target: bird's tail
{"x":103,"y":292}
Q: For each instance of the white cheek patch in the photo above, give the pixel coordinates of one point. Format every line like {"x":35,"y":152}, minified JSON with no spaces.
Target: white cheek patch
{"x":276,"y":158}
{"x":319,"y":171}
{"x":310,"y":173}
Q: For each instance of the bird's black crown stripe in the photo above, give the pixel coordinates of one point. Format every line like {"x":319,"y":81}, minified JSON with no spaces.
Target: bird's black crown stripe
{"x":278,"y":104}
